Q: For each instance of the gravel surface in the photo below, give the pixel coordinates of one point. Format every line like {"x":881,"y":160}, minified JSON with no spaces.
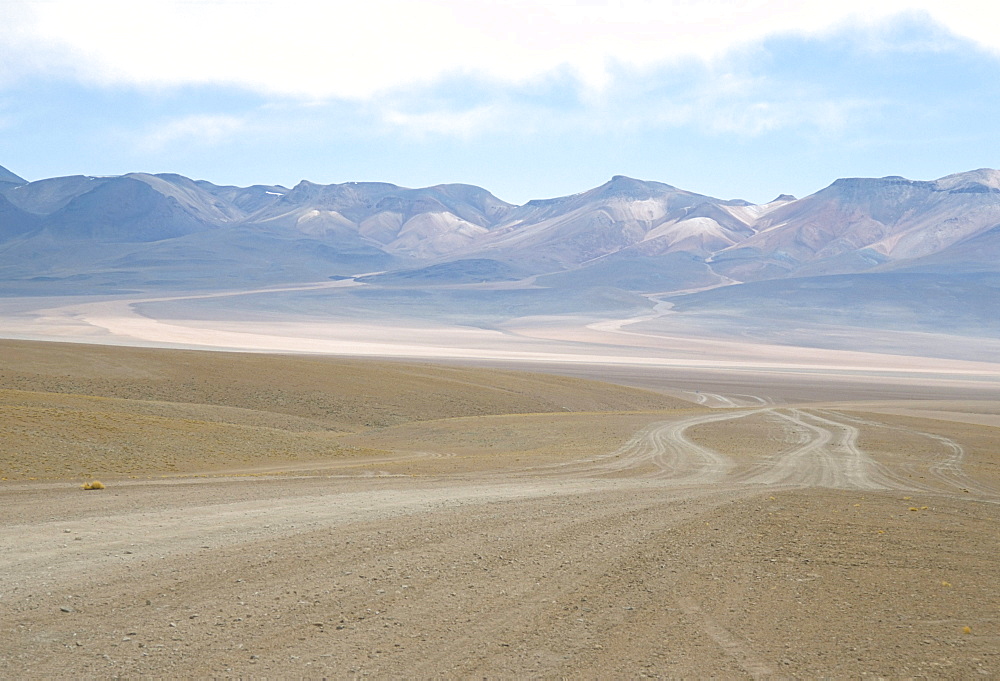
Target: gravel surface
{"x":593,"y":568}
{"x":526,"y":526}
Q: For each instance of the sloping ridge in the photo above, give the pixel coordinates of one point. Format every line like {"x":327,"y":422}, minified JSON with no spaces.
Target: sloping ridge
{"x":662,"y":237}
{"x":9,"y":177}
{"x":857,"y":224}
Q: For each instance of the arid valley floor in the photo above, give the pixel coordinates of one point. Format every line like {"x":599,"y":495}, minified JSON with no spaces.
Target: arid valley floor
{"x":713,"y":514}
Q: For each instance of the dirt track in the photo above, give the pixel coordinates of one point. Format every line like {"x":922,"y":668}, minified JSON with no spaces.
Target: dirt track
{"x":796,"y":553}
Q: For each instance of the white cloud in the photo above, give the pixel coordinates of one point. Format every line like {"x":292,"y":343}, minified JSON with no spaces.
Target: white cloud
{"x":726,"y":105}
{"x":311,"y":49}
{"x":759,"y":117}
{"x":7,"y":119}
{"x":730,"y":104}
{"x":202,"y":130}
{"x":464,"y":123}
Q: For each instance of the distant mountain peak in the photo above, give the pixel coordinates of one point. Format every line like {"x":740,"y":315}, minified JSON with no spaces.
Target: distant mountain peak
{"x":623,"y":181}
{"x":983,"y":180}
{"x":9,"y":177}
{"x":631,"y":188}
{"x":888,"y":180}
{"x":973,"y":181}
{"x":855,"y":224}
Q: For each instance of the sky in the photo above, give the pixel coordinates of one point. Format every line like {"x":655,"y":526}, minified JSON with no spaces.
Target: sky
{"x":529,"y":99}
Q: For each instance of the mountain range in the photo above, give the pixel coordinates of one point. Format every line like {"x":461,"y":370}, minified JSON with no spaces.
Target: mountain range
{"x":621,"y":241}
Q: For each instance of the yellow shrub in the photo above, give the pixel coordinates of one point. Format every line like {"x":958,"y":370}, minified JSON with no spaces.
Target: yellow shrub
{"x":96,"y":484}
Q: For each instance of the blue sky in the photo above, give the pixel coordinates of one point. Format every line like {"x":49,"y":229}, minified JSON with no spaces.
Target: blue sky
{"x":737,"y":99}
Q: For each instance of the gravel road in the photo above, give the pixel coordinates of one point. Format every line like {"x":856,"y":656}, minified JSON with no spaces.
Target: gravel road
{"x":801,"y":555}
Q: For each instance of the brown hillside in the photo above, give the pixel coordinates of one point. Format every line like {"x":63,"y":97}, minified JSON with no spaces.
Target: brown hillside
{"x":333,"y":393}
{"x":71,"y":410}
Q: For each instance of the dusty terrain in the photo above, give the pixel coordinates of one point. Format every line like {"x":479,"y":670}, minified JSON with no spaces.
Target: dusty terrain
{"x":305,"y":517}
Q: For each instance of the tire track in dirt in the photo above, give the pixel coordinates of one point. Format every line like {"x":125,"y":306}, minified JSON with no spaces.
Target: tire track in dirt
{"x":807,"y":464}
{"x":661,"y":451}
{"x":728,"y":401}
{"x":546,"y":605}
{"x":732,"y":646}
{"x":947,"y":469}
{"x":821,"y":450}
{"x":825,"y":455}
{"x":679,"y":458}
{"x":828,"y":457}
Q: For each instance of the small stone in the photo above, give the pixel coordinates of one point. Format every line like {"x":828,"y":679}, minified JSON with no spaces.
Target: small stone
{"x":66,"y":609}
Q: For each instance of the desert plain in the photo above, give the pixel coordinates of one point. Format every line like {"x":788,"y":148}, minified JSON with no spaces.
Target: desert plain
{"x":576,"y":501}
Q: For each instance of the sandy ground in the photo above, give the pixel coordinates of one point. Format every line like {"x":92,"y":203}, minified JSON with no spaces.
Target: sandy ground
{"x":336,"y":518}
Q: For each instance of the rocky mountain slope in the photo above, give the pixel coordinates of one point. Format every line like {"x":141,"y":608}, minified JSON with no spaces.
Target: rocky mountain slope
{"x":10,"y":178}
{"x":858,"y":224}
{"x":167,"y":232}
